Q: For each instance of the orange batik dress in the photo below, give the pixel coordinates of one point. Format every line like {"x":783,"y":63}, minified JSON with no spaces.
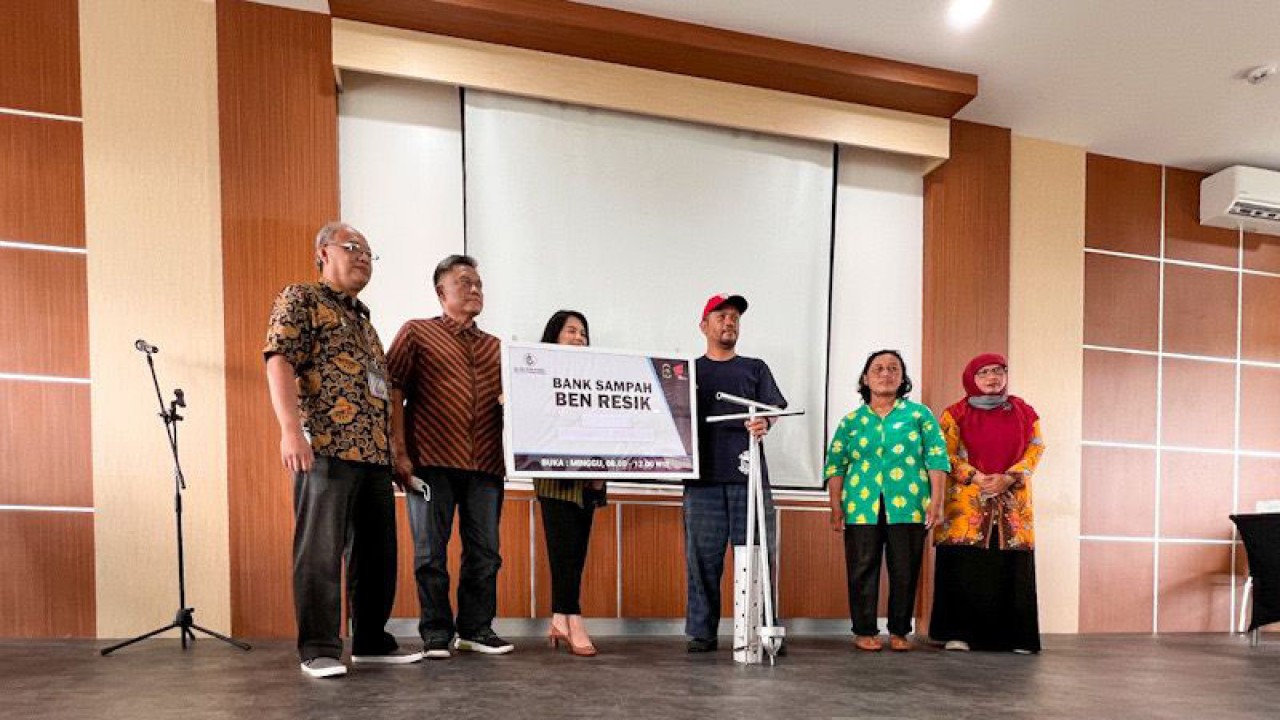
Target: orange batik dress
{"x":969,"y":518}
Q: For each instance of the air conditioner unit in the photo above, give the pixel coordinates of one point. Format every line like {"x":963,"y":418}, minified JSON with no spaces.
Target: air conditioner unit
{"x":1242,"y":197}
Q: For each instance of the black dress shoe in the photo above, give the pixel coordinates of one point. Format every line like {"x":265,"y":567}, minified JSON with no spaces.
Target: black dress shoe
{"x":701,"y":645}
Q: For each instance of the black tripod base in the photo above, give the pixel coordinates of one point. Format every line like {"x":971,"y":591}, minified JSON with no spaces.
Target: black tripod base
{"x":184,"y":622}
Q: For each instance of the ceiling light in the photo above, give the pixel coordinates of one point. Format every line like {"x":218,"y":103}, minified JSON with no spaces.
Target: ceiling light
{"x":964,"y":14}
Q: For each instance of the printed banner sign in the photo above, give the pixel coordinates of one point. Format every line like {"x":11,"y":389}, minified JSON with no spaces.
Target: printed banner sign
{"x":586,"y":413}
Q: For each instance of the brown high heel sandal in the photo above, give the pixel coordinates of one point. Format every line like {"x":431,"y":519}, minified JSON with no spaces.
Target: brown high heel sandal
{"x":554,"y":637}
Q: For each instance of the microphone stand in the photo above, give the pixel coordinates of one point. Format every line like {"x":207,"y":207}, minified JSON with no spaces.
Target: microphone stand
{"x":184,"y":621}
{"x":755,"y":633}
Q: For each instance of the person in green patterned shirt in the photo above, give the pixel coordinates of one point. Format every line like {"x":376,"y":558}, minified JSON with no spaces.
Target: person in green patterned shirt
{"x":886,"y":470}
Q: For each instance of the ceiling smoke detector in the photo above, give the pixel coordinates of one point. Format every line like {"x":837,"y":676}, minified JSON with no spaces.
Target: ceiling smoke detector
{"x":1258,"y":75}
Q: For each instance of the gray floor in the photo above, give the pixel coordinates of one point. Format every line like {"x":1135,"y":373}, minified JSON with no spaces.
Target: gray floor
{"x":1129,"y":677}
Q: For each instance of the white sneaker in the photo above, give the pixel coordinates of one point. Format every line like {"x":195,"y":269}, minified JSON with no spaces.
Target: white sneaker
{"x":324,"y":667}
{"x":956,"y":646}
{"x":395,"y":657}
{"x":1020,"y":651}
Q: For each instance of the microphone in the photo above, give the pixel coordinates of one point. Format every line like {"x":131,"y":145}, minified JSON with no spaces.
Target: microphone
{"x":179,"y":399}
{"x":146,"y":347}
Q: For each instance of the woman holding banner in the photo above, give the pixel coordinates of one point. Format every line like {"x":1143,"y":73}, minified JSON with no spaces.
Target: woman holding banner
{"x":567,"y":510}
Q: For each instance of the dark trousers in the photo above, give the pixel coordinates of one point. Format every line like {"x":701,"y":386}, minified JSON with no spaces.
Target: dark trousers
{"x":715,"y":516}
{"x":902,"y":547}
{"x":477,"y":499}
{"x":986,"y":597}
{"x":568,"y":530}
{"x":342,"y":509}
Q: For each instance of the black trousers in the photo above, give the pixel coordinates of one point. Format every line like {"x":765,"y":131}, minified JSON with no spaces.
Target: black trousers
{"x":342,"y":509}
{"x":568,"y":530}
{"x":902,"y":547}
{"x":986,"y":597}
{"x":477,"y":499}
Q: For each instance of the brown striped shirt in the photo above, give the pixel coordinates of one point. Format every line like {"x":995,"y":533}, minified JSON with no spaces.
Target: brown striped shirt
{"x":451,"y":379}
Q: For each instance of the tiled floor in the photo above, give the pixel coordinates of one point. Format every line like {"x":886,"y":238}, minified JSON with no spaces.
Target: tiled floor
{"x":1129,"y":677}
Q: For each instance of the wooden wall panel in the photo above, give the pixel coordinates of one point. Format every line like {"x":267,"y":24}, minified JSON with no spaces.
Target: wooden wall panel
{"x":1195,"y":412}
{"x":1199,"y":311}
{"x":406,"y":605}
{"x":1260,"y":328}
{"x":811,"y":571}
{"x":45,"y":444}
{"x":1122,"y":205}
{"x":966,"y":258}
{"x":966,"y":272}
{"x":1185,"y":238}
{"x":1118,"y":491}
{"x":513,"y":579}
{"x":1261,"y":252}
{"x":599,"y":578}
{"x":1121,"y":302}
{"x":626,"y":38}
{"x":47,"y":560}
{"x":653,"y":568}
{"x":41,"y":181}
{"x":515,"y":591}
{"x":1116,"y":582}
{"x":46,"y":319}
{"x":40,"y":54}
{"x":278,"y":137}
{"x":1196,"y":496}
{"x":1195,"y":588}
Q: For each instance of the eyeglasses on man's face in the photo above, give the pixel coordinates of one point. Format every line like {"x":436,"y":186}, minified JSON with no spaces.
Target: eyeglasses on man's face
{"x":354,"y":248}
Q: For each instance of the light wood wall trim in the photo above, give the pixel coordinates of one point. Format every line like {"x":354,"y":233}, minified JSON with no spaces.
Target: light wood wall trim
{"x":644,"y":41}
{"x":155,"y":272}
{"x":468,"y":63}
{"x":279,"y":166}
{"x":1046,"y":331}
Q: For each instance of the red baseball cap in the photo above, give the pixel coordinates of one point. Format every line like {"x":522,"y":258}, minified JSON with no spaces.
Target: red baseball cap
{"x":719,"y":300}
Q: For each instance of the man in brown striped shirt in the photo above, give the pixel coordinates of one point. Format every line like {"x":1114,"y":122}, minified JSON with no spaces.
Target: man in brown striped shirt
{"x":447,"y":421}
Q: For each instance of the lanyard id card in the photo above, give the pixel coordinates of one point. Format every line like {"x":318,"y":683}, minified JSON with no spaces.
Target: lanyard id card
{"x":378,"y":385}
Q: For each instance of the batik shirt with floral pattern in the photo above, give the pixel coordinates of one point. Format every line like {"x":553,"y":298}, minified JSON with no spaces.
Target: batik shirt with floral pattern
{"x":327,"y":337}
{"x":886,"y":460}
{"x":969,"y":518}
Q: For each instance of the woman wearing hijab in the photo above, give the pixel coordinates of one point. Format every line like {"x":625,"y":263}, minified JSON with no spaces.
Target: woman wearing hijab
{"x":985,"y":578}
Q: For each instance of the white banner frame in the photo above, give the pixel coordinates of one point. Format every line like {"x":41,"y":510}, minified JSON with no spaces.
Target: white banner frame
{"x":511,"y":348}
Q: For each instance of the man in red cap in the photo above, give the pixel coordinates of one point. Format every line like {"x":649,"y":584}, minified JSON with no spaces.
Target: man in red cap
{"x":715,"y":505}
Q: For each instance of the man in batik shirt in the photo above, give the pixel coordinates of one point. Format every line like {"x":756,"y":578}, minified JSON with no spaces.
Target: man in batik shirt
{"x":328,"y":380}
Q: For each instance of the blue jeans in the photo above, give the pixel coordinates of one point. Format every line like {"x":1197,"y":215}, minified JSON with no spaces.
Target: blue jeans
{"x":477,"y":499}
{"x":715,"y":515}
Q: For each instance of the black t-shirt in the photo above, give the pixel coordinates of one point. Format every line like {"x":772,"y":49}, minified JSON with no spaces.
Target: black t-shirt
{"x":722,"y":446}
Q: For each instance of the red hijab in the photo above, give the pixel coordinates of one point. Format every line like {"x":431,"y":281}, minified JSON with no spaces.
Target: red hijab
{"x":997,"y":438}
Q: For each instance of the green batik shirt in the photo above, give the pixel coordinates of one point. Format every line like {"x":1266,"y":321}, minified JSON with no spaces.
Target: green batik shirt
{"x":887,"y":458}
